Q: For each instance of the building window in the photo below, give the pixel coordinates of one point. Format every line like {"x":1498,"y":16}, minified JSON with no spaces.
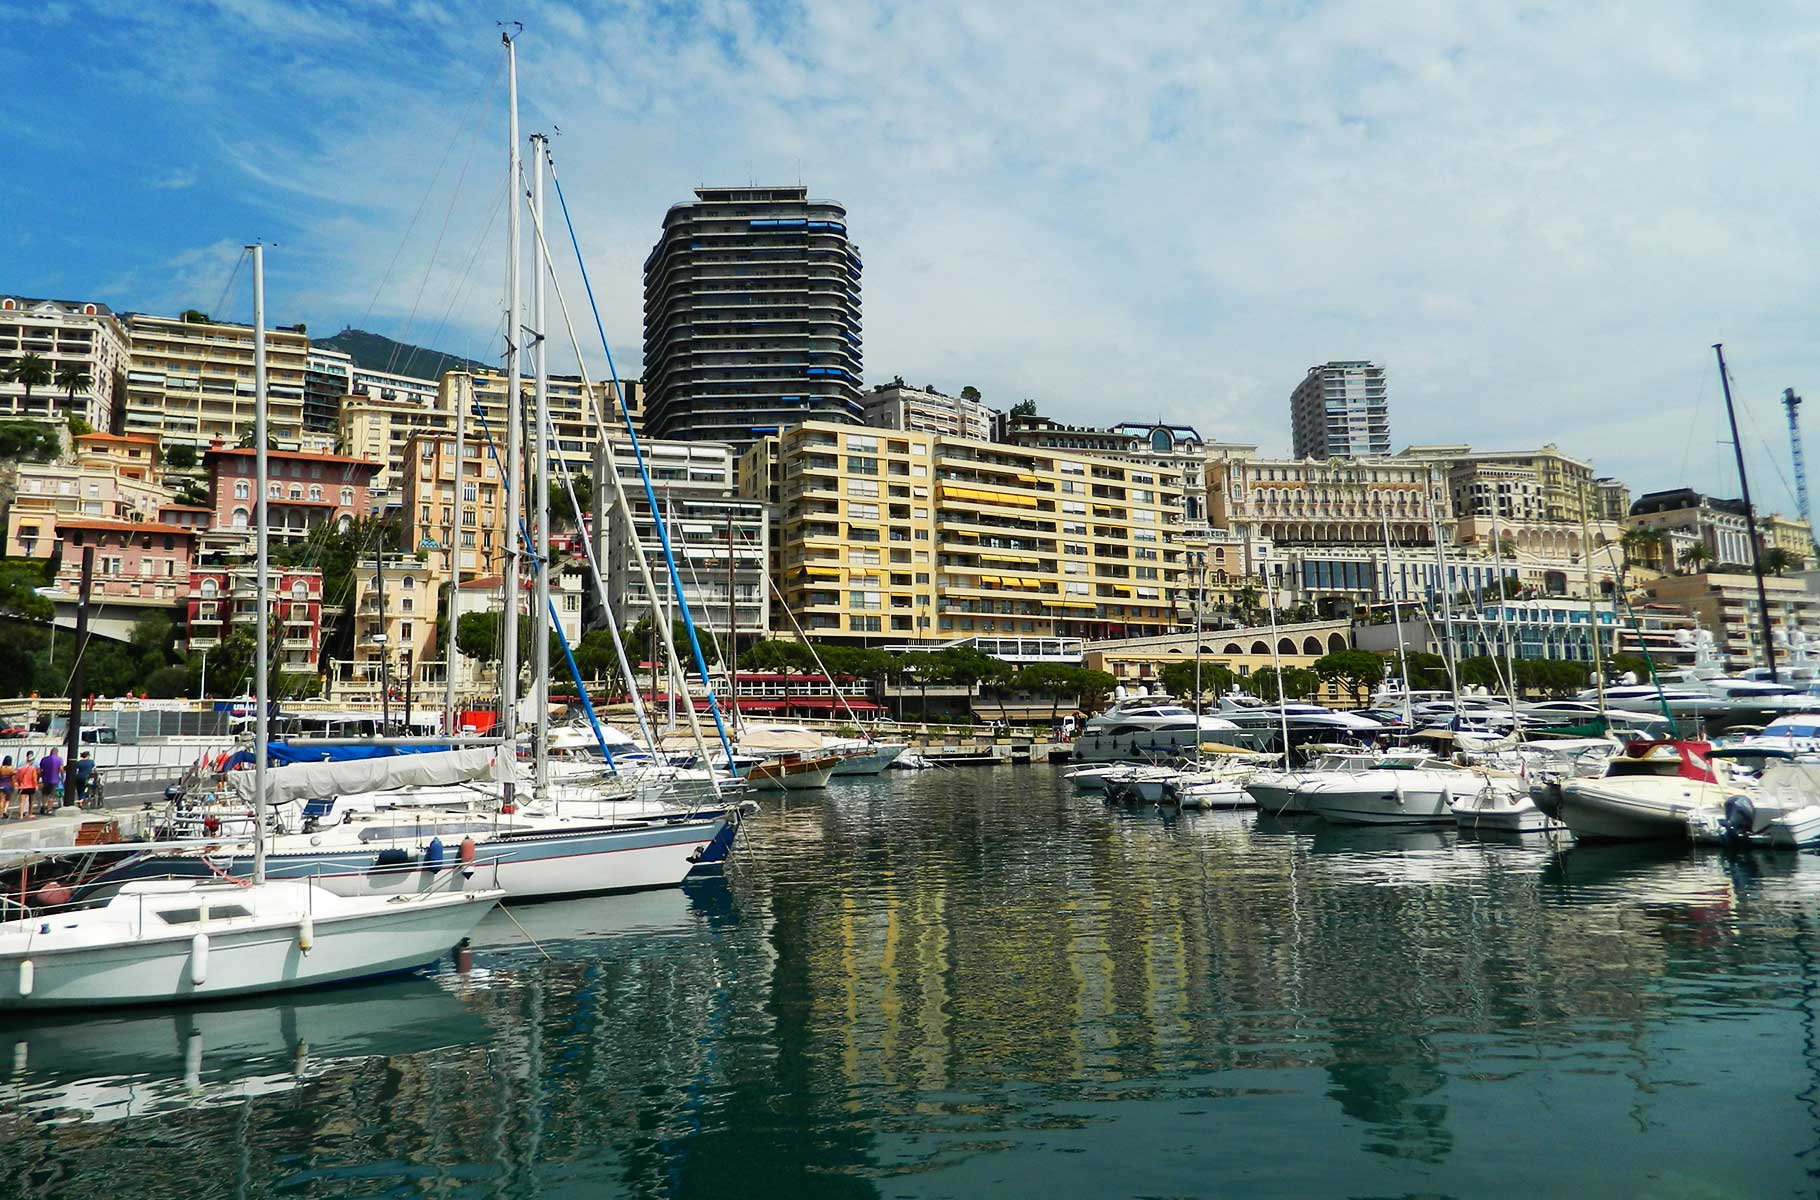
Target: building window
{"x":240,"y":518}
{"x":242,"y":490}
{"x":316,"y":491}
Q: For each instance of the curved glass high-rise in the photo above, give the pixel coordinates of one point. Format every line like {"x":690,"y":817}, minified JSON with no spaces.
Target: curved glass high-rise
{"x":752,"y":316}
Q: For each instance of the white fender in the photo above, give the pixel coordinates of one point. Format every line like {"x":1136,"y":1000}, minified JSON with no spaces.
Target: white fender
{"x":27,"y":976}
{"x":306,"y":933}
{"x":199,"y":959}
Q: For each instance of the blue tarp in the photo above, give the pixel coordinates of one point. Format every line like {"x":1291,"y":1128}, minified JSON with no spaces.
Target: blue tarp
{"x":284,"y":754}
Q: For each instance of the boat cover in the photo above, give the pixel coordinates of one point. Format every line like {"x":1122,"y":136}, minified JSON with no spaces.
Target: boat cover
{"x":310,"y":780}
{"x":283,"y":754}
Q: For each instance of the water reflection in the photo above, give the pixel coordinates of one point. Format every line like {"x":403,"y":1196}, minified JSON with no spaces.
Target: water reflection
{"x":977,"y":984}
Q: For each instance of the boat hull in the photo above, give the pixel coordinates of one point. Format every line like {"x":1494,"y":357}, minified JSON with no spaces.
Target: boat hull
{"x":526,"y":867}
{"x":1634,"y":810}
{"x":870,"y":762}
{"x":1383,"y":798}
{"x":260,"y":957}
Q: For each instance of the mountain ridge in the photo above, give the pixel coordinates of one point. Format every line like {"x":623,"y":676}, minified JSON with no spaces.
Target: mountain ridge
{"x":376,"y":352}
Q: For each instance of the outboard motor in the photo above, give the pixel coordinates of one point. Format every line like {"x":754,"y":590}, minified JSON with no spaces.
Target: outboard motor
{"x":1547,"y":797}
{"x":1742,"y":818}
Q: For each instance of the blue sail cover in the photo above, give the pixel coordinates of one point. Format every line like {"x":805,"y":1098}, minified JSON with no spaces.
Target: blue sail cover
{"x":284,"y":754}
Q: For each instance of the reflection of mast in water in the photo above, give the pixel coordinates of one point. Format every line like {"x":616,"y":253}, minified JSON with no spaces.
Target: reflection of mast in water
{"x":1810,"y":1040}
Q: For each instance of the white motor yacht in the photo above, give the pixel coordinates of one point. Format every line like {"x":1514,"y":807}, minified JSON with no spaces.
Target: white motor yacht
{"x":1252,"y":714}
{"x":1279,"y":792}
{"x":1147,"y":730}
{"x":167,"y":941}
{"x":1646,"y":792}
{"x":1499,"y":807}
{"x":1783,"y":812}
{"x":1393,"y":791}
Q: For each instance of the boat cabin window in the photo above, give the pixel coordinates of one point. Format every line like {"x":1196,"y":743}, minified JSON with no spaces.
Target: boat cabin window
{"x":189,"y":916}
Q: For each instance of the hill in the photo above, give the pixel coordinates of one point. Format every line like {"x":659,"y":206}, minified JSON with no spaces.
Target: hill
{"x":376,"y":352}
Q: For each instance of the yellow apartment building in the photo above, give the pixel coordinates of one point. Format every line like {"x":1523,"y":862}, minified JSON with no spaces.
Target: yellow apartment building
{"x":191,"y":383}
{"x":425,"y":471}
{"x":574,"y":428}
{"x":379,"y":430}
{"x":910,"y":536}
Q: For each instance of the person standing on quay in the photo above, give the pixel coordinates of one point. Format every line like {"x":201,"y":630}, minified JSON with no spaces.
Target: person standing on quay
{"x":7,"y":771}
{"x":81,"y":772}
{"x":50,"y":775}
{"x":26,"y":780}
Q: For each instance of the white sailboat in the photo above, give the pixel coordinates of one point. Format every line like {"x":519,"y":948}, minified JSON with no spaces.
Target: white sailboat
{"x":164,"y":941}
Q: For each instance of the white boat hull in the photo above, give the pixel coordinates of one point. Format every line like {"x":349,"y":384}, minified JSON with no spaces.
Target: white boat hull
{"x":1386,"y":798}
{"x":1639,"y":808}
{"x":1503,"y":815}
{"x":871,"y":761}
{"x":45,"y":963}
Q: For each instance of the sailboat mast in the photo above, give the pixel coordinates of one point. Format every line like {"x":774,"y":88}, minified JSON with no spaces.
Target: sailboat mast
{"x":540,"y":498}
{"x":261,"y":555}
{"x":1750,"y":518}
{"x":1592,"y":604}
{"x":1276,"y":662}
{"x":508,"y":624}
{"x":1497,"y":562}
{"x":455,"y":528}
{"x":1396,"y":615}
{"x":732,"y":655}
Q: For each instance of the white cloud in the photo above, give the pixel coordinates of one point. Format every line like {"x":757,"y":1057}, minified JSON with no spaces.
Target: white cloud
{"x":1538,"y":217}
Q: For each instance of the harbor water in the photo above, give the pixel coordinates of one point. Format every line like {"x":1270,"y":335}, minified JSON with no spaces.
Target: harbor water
{"x":976,"y":983}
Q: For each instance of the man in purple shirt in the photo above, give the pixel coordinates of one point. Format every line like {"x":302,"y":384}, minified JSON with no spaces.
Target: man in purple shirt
{"x":50,"y":775}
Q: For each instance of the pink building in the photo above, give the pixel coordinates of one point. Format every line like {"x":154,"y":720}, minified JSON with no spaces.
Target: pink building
{"x":220,"y":597}
{"x":304,"y":491}
{"x":146,"y":560}
{"x":193,"y":517}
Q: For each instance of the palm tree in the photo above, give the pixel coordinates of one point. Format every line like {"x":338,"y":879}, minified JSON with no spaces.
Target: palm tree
{"x":72,"y":378}
{"x":1777,"y":560}
{"x":1694,"y":557}
{"x":29,"y":372}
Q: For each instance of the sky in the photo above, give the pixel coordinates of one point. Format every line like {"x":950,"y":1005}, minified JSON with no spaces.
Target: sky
{"x":1537,"y":216}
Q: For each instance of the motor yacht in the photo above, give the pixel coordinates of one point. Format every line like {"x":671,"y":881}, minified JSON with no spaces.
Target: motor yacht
{"x":1148,"y":730}
{"x":1251,"y":714}
{"x":1646,"y":792}
{"x":1783,"y":812}
{"x":1396,"y":790}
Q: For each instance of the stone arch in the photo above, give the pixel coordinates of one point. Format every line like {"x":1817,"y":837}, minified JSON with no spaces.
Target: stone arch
{"x":1311,"y":645}
{"x":1336,"y":641}
{"x":1286,"y":645}
{"x":1260,"y":647}
{"x":1232,"y":648}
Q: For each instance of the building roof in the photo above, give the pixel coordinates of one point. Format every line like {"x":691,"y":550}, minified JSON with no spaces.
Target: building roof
{"x":293,"y":456}
{"x":100,"y":523}
{"x":201,"y":508}
{"x":76,"y":306}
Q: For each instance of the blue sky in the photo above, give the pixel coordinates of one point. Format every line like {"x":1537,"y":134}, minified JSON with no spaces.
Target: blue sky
{"x":1538,"y":216}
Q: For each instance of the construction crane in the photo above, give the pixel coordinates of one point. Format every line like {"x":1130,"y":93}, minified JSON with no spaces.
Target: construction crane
{"x":1792,"y":403}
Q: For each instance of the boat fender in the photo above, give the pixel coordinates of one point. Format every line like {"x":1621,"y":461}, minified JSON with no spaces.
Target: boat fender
{"x":52,"y":895}
{"x":392,"y":856}
{"x":27,"y":976}
{"x":199,"y":959}
{"x":306,"y":933}
{"x":508,"y":808}
{"x":466,"y":850}
{"x":211,"y":824}
{"x":432,"y":855}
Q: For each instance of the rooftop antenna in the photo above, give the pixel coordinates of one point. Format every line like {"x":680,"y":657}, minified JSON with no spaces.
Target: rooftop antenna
{"x":1792,"y":403}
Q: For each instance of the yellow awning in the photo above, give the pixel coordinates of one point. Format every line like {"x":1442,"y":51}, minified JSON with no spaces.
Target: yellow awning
{"x":1014,"y":499}
{"x":989,"y":579}
{"x":1070,"y":604}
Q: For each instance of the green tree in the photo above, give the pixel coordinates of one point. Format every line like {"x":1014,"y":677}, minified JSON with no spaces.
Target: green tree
{"x":1024,"y":408}
{"x":562,"y":514}
{"x":27,"y":440}
{"x":1294,"y":683}
{"x":1178,"y":679}
{"x":1778,"y":561}
{"x":194,"y":316}
{"x":30,"y":371}
{"x":477,"y":636}
{"x":1358,"y":671}
{"x":79,"y":426}
{"x":72,"y":379}
{"x":180,"y":457}
{"x":1619,"y":665}
{"x":972,"y":393}
{"x":1694,"y":558}
{"x":1427,"y":672}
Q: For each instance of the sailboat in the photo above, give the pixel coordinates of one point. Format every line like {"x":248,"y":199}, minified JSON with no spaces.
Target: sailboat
{"x":167,"y":940}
